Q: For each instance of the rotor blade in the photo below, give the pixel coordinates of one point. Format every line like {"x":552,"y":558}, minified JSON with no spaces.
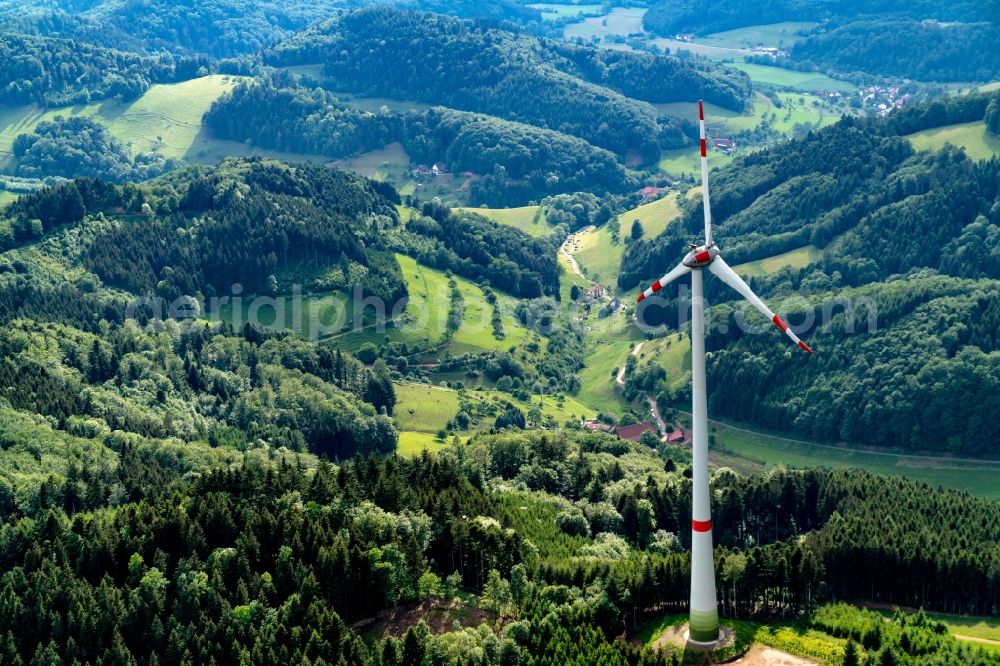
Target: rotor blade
{"x":679,"y":271}
{"x":704,"y":175}
{"x":729,"y":276}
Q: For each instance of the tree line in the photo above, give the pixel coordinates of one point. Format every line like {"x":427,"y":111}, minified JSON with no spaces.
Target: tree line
{"x":518,"y":162}
{"x":50,"y":71}
{"x":78,"y":147}
{"x":475,"y":67}
{"x":272,"y":562}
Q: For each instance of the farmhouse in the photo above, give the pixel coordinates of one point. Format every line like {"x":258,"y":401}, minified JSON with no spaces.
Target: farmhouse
{"x":676,"y":436}
{"x":634,"y":432}
{"x":725,"y":145}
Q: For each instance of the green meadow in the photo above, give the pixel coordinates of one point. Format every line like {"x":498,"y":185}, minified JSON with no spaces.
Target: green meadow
{"x":423,"y":322}
{"x":529,"y":219}
{"x":787,"y":78}
{"x":784,"y":33}
{"x":551,"y":10}
{"x":621,"y":22}
{"x":978,"y":142}
{"x":687,"y":161}
{"x":422,"y":410}
{"x":977,"y":477}
{"x":600,"y":256}
{"x":797,"y":258}
{"x":607,"y":345}
{"x":165,"y":120}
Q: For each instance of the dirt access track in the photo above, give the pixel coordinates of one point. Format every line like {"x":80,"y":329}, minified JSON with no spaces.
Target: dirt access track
{"x":762,"y":655}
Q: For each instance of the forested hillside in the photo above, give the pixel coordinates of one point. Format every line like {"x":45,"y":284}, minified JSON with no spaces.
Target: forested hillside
{"x":60,"y":72}
{"x":257,"y":408}
{"x":858,"y":191}
{"x":669,"y":17}
{"x":520,"y":162}
{"x":910,"y":48}
{"x":928,"y":41}
{"x":473,"y":67}
{"x":216,"y":28}
{"x":270,"y":564}
{"x":78,"y":147}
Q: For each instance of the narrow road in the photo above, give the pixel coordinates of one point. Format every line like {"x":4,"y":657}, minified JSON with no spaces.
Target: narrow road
{"x":975,"y":639}
{"x":656,"y":415}
{"x":565,"y":252}
{"x":620,"y":379}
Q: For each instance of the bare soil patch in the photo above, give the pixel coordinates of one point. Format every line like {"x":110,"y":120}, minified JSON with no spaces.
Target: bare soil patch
{"x":762,"y":655}
{"x":439,"y":615}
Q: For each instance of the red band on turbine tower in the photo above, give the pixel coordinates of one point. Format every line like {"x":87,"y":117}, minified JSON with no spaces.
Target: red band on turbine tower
{"x":780,"y":324}
{"x":704,"y":149}
{"x":701,"y":525}
{"x":701,"y":111}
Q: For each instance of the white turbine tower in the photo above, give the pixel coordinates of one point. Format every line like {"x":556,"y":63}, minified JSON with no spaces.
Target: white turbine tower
{"x":703,"y":624}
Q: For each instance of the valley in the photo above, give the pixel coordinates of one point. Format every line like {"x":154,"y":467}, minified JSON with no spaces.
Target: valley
{"x":321,"y":338}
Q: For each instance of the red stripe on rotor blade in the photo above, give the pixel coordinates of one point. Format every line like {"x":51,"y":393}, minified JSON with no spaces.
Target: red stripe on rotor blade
{"x":640,"y":299}
{"x":704,"y":149}
{"x":656,"y":286}
{"x":805,"y":347}
{"x":780,"y":324}
{"x":701,"y":525}
{"x":701,"y":111}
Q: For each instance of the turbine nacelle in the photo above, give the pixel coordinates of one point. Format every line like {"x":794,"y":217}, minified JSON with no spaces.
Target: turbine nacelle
{"x":700,"y":256}
{"x":707,"y":256}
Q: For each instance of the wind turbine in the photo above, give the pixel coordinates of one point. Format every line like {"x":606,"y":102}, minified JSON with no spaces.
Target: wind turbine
{"x":703,"y":625}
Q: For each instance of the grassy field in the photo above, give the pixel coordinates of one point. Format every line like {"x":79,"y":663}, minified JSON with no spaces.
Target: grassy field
{"x":654,"y":217}
{"x":788,"y":637}
{"x":412,"y":444}
{"x":797,"y":258}
{"x":979,"y":143}
{"x":567,"y":278}
{"x":312,"y":316}
{"x":375,"y":104}
{"x":426,"y":312}
{"x":599,"y":255}
{"x":526,"y":218}
{"x":424,"y":408}
{"x":622,"y":21}
{"x":425,"y":318}
{"x":776,"y":76}
{"x":6,"y":197}
{"x":975,"y":477}
{"x":476,"y":332}
{"x":688,"y":161}
{"x":673,"y":353}
{"x":985,"y":628}
{"x":382,"y":164}
{"x":165,"y":120}
{"x":608,"y":343}
{"x":551,"y":10}
{"x":705,"y":50}
{"x":797,"y":109}
{"x":785,"y":33}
